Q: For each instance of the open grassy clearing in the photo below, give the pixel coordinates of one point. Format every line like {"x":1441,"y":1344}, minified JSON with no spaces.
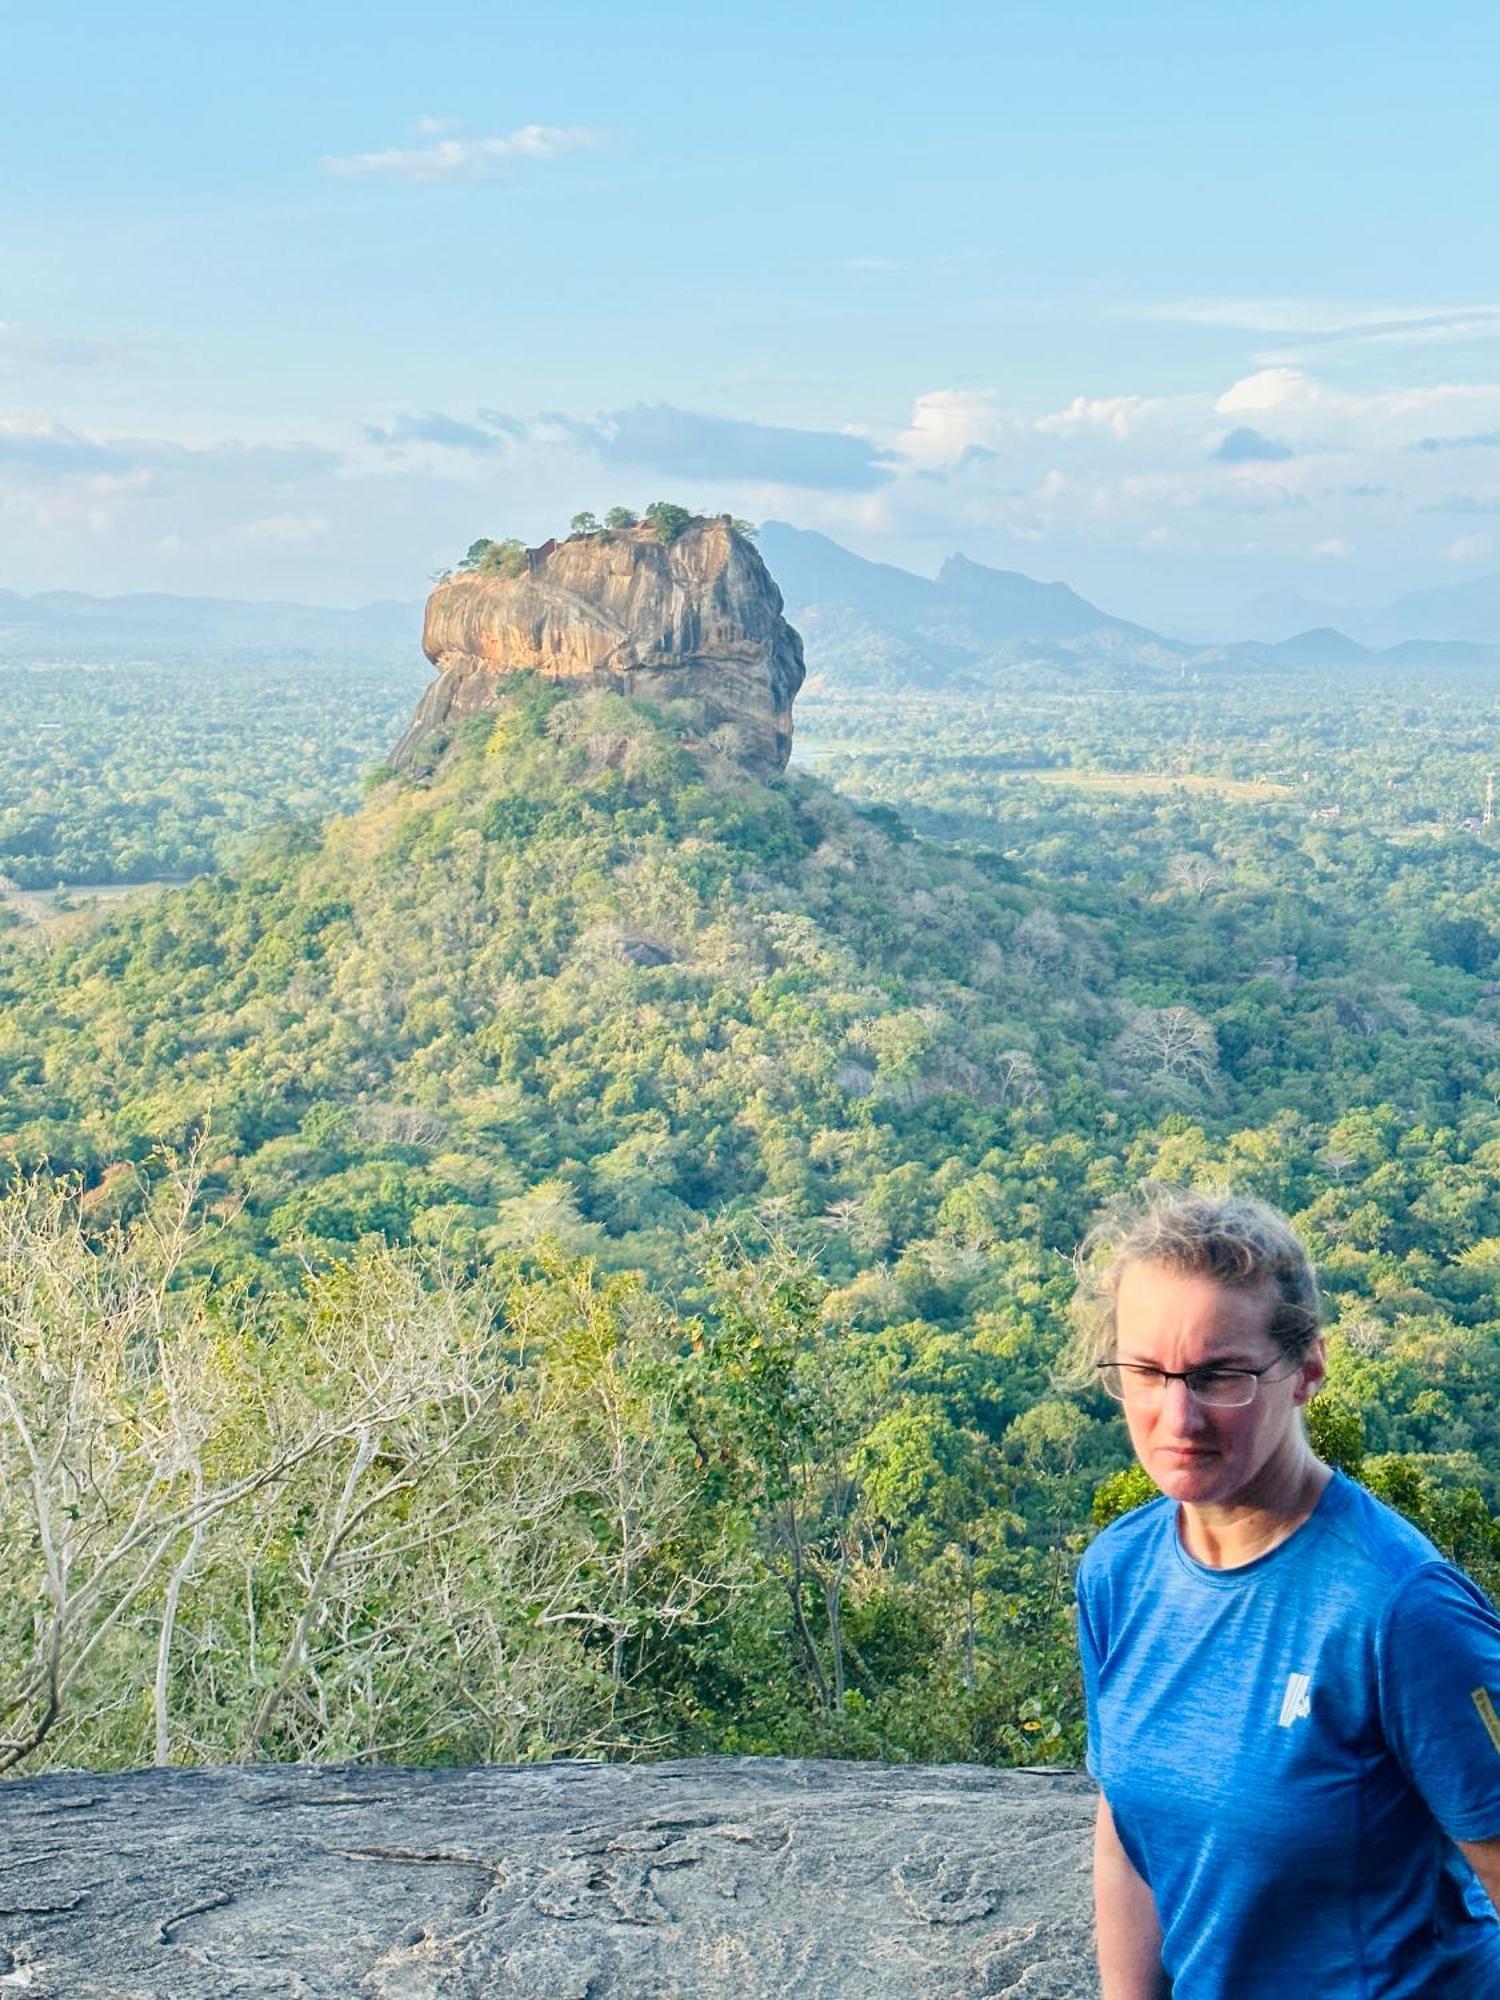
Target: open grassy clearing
{"x":44,"y":923}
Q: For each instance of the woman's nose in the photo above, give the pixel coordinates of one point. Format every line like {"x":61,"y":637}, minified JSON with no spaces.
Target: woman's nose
{"x":1180,"y":1407}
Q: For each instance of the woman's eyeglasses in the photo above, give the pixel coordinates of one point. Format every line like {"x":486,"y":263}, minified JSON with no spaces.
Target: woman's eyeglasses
{"x":1214,"y":1388}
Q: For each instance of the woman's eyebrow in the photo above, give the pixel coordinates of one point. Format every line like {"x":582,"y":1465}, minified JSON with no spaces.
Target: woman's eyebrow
{"x":1231,"y":1360}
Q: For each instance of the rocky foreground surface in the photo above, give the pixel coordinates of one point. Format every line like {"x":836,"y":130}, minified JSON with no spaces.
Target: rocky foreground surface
{"x":724,"y":1877}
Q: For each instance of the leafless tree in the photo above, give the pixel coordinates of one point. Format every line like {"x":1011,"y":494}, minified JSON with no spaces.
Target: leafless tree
{"x":113,"y":1398}
{"x":1172,"y":1045}
{"x":1015,"y":1077}
{"x":1195,"y":874}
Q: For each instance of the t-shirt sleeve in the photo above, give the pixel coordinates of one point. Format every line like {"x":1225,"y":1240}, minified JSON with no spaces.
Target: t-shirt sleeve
{"x":1089,"y":1651}
{"x":1439,"y":1670}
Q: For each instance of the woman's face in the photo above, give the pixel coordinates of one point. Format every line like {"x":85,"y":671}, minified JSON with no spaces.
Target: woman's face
{"x":1208,"y":1457}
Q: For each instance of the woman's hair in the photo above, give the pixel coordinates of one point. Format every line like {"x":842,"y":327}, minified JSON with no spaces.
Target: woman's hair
{"x":1232,"y":1238}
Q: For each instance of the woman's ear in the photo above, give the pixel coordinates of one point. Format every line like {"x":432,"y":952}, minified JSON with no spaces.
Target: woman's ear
{"x":1314,"y":1372}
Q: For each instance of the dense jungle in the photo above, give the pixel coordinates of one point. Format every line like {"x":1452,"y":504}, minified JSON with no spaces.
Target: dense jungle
{"x":568,"y":1251}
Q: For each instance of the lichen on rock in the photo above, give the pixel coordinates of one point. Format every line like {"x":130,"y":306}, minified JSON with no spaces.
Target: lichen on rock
{"x":695,"y":619}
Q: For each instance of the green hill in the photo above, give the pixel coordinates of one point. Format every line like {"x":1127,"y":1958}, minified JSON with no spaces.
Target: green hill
{"x":580,"y":979}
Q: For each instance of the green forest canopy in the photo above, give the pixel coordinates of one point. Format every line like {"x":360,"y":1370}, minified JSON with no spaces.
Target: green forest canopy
{"x":789,"y":1103}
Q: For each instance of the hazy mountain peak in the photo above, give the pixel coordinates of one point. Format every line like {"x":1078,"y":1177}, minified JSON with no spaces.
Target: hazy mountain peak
{"x":812,"y":569}
{"x":1466,"y":611}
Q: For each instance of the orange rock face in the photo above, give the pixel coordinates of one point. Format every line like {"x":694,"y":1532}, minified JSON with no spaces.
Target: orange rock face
{"x":698,"y":619}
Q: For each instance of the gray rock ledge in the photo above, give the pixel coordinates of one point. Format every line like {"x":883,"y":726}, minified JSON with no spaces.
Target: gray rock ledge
{"x":743,"y":1877}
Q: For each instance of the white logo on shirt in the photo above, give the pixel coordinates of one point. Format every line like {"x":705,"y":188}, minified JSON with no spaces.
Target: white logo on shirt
{"x":1296,"y":1703}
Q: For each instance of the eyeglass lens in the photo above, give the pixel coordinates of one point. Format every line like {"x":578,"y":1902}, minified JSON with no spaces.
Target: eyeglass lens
{"x":1216,"y":1388}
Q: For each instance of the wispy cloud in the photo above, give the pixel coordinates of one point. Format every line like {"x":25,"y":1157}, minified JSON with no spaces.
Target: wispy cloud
{"x":656,"y":437}
{"x":1182,"y":493}
{"x":1471,"y":549}
{"x":144,"y":510}
{"x":1477,"y":441}
{"x":451,"y":433}
{"x":1476,"y":323}
{"x":1464,"y":503}
{"x":49,"y":449}
{"x":1321,"y":322}
{"x":1252,"y":315}
{"x":276,"y":533}
{"x":27,"y":347}
{"x":1240,"y":477}
{"x":694,"y":445}
{"x":52,"y":450}
{"x":946,"y":264}
{"x":485,"y":159}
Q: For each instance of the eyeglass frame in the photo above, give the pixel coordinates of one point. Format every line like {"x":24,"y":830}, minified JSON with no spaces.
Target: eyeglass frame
{"x":1185,"y":1375}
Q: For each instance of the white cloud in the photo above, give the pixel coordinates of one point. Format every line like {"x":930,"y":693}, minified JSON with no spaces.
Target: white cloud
{"x":947,"y":423}
{"x":100,"y":512}
{"x":1119,"y":415}
{"x":1270,"y":389}
{"x":1471,"y":549}
{"x":1081,"y":492}
{"x":1316,"y":416}
{"x":465,"y":159}
{"x":1189,"y":493}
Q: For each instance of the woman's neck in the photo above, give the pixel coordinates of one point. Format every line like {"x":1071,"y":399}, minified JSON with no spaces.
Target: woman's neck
{"x":1272,"y":1507}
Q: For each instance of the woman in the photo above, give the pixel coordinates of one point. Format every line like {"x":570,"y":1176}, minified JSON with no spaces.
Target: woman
{"x":1292,"y":1698}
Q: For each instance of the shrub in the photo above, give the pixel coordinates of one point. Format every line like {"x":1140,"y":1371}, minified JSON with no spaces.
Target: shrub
{"x":668,"y":519}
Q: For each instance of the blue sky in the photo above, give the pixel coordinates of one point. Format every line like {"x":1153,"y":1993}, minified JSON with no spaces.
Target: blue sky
{"x":1179,"y":303}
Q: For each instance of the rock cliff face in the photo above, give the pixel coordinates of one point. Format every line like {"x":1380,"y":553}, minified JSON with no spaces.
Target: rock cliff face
{"x":697,"y":619}
{"x":725,"y":1879}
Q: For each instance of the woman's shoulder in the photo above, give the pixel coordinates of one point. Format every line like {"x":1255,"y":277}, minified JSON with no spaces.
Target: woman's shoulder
{"x":1127,"y":1541}
{"x":1401,"y":1583}
{"x":1372,"y":1534}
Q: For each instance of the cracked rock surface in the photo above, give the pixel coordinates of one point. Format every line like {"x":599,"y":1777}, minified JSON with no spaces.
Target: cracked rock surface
{"x":742,"y":1877}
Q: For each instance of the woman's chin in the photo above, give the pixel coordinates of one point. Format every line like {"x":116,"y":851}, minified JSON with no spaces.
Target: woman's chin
{"x":1188,"y":1475}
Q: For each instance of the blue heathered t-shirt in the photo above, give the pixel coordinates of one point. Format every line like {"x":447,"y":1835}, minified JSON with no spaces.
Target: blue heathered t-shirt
{"x":1290,"y":1748}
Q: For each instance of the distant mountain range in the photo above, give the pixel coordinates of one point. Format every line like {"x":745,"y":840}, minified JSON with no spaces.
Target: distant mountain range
{"x":74,"y":626}
{"x":1458,"y":612}
{"x":865,"y":624}
{"x":872,"y":624}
